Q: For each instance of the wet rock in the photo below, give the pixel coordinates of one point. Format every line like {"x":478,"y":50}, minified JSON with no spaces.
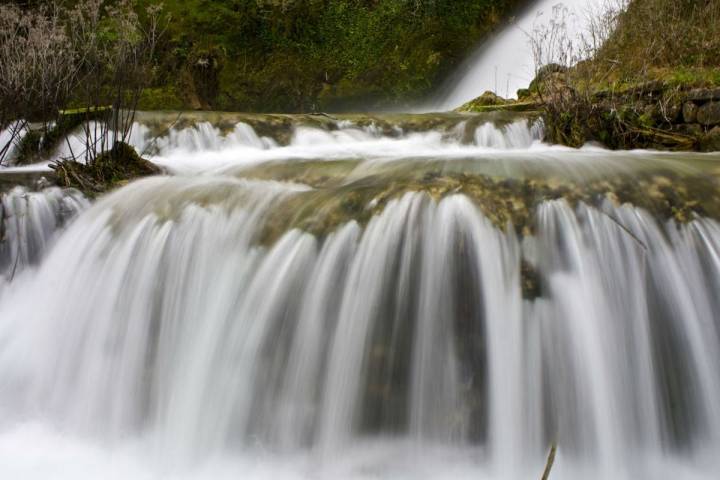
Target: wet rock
{"x":530,"y":281}
{"x":109,"y":170}
{"x":709,"y":114}
{"x":506,"y":202}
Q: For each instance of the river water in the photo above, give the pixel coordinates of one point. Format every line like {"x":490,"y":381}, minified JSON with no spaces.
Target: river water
{"x":365,"y":300}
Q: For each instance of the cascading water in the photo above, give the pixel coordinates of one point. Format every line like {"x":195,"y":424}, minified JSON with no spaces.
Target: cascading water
{"x":354,"y":303}
{"x":505,"y":63}
{"x":29,"y":221}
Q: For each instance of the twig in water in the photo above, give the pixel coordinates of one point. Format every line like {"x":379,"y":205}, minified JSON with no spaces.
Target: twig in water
{"x":550,"y":461}
{"x":322,"y":114}
{"x":155,"y":139}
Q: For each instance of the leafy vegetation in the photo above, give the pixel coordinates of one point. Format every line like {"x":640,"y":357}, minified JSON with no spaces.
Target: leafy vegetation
{"x":305,"y":55}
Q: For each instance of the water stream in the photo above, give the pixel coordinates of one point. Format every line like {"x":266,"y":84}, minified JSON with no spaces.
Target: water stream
{"x":350,"y":302}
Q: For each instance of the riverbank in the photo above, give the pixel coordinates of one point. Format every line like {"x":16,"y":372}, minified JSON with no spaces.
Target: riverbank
{"x":645,"y":75}
{"x":658,"y":114}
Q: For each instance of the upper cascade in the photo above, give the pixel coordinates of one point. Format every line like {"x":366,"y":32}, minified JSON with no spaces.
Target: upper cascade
{"x":205,"y":142}
{"x":506,"y":63}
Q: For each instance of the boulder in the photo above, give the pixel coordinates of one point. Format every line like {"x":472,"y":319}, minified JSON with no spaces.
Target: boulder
{"x":489,"y":98}
{"x":524,"y":93}
{"x":704,"y":94}
{"x":691,"y":129}
{"x":690,"y":112}
{"x":709,"y":114}
{"x":711,"y":141}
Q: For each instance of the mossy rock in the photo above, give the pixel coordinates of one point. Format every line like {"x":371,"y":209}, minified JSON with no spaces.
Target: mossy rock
{"x":545,"y":72}
{"x":507,"y":202}
{"x":487,"y":99}
{"x":107,"y":171}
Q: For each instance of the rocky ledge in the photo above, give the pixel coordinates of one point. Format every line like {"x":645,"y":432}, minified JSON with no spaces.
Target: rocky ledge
{"x":652,"y":115}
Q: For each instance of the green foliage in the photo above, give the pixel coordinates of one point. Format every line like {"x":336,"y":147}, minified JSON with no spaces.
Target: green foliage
{"x":301,"y":55}
{"x":160,"y":98}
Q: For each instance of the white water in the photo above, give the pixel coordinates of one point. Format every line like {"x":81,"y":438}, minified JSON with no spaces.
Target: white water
{"x":505,"y":63}
{"x":203,"y":147}
{"x":158,"y":337}
{"x":29,"y":222}
{"x":10,"y":137}
{"x":158,"y":340}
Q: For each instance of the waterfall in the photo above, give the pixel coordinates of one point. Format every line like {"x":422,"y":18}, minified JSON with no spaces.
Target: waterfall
{"x":337,"y":303}
{"x":28,"y":223}
{"x":505,"y":63}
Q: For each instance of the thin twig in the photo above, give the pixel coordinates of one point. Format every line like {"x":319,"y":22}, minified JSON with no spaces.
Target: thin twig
{"x":156,"y":137}
{"x":550,"y":462}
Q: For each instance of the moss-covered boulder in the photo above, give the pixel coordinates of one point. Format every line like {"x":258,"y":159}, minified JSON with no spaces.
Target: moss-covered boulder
{"x":109,"y":170}
{"x":490,"y":102}
{"x":709,"y":114}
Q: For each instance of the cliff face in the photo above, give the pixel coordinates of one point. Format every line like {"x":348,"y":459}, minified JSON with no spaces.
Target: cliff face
{"x":304,"y":55}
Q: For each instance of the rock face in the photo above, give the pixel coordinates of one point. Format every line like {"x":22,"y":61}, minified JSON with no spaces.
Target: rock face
{"x":709,"y":114}
{"x":653,"y":115}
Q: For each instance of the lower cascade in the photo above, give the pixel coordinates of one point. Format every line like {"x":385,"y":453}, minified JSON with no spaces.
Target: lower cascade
{"x":29,"y":221}
{"x":355,"y":304}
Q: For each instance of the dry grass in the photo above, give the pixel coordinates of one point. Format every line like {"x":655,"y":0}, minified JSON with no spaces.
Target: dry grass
{"x":658,"y":34}
{"x":88,"y":53}
{"x":622,"y":82}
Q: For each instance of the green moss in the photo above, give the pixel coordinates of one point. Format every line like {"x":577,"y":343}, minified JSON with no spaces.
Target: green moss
{"x":508,"y":202}
{"x":161,"y":98}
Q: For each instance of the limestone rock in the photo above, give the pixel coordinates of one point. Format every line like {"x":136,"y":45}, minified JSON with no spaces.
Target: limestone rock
{"x":709,"y":114}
